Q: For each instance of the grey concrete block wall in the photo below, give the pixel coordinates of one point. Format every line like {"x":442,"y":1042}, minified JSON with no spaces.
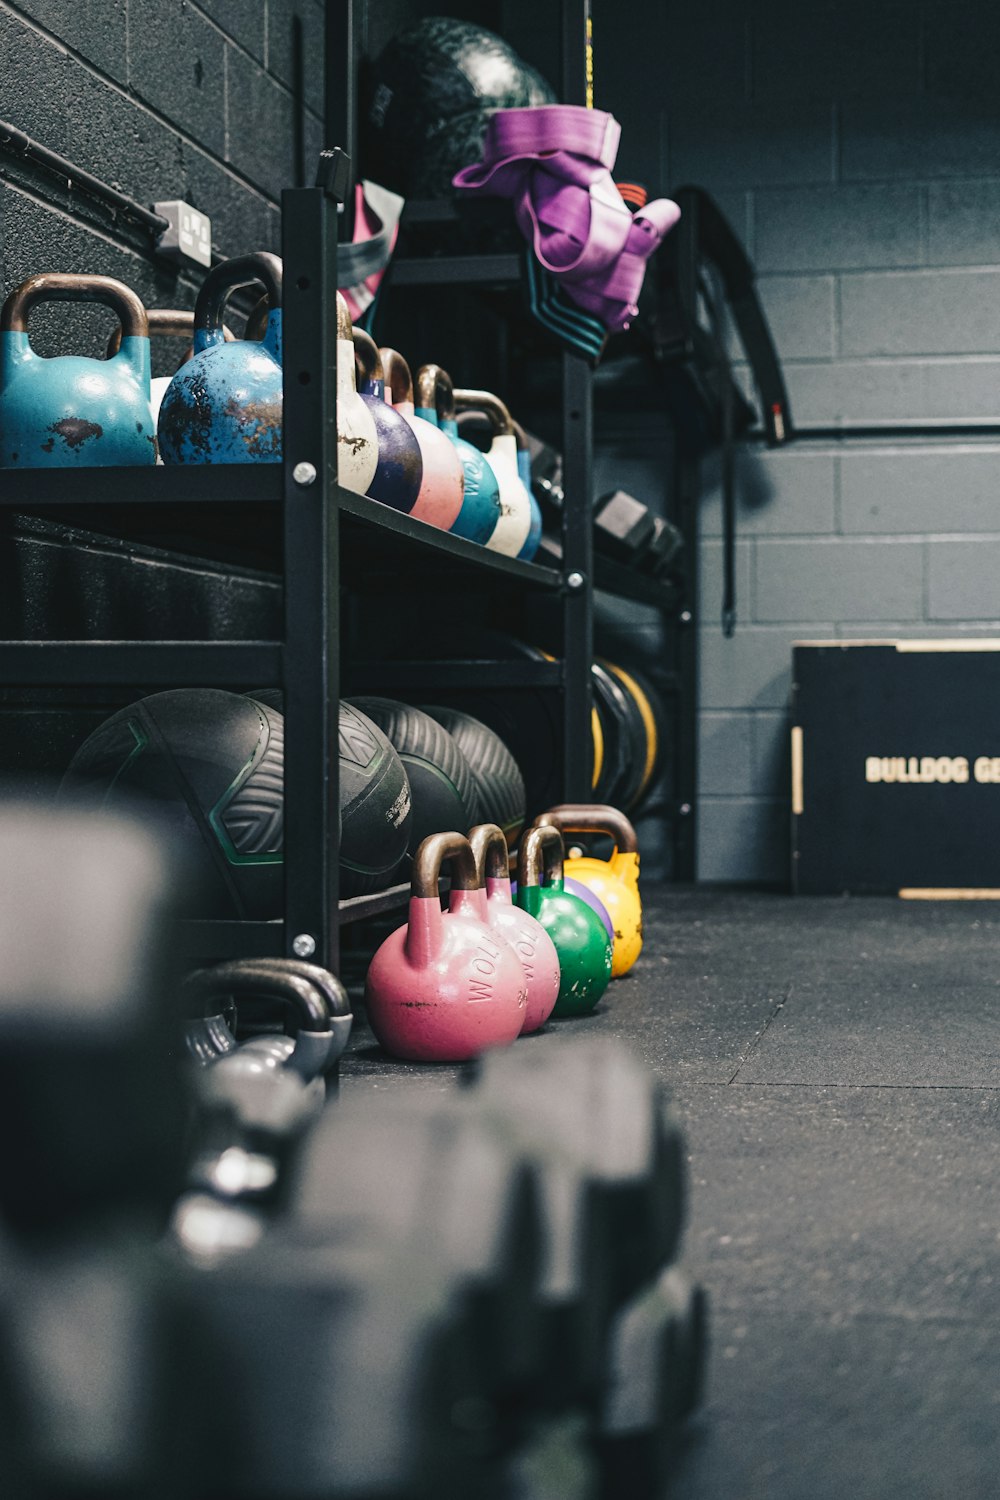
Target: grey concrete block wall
{"x":191,"y":99}
{"x":856,"y":149}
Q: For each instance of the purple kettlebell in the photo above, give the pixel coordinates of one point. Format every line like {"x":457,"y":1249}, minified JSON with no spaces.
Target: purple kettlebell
{"x":400,"y":470}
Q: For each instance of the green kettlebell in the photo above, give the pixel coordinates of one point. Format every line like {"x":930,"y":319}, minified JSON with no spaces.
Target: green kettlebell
{"x":580,"y":937}
{"x":71,"y":411}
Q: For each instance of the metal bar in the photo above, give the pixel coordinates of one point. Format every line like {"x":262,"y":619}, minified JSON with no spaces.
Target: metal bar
{"x":311,"y":517}
{"x":383,"y":676}
{"x":457,"y":270}
{"x":577,"y":61}
{"x":141,"y":663}
{"x":578,"y":601}
{"x":340,"y":92}
{"x":19,"y":144}
{"x":874,"y":431}
{"x":686,"y":481}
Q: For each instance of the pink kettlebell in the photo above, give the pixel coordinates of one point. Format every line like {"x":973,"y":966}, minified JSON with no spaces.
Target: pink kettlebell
{"x":444,"y":987}
{"x":442,"y":489}
{"x":527,"y":937}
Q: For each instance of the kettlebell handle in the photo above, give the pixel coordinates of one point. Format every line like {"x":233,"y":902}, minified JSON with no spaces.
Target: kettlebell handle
{"x":204,"y":989}
{"x":540,"y":857}
{"x":435,"y":392}
{"x":62,"y":286}
{"x":438,"y":849}
{"x":166,"y":323}
{"x":366,"y":355}
{"x":597,"y":817}
{"x":490,"y":405}
{"x":489,"y":849}
{"x":345,"y":328}
{"x":396,"y":372}
{"x":243,"y":270}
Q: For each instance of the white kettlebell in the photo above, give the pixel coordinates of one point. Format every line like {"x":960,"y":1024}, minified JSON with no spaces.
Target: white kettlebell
{"x":357,"y":435}
{"x":514,"y":524}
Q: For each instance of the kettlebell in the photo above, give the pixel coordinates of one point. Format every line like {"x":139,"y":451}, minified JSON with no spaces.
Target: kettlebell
{"x":534,"y":537}
{"x":528,"y":938}
{"x":357,"y":435}
{"x":480,"y":512}
{"x":581,"y":942}
{"x":444,"y":987}
{"x":515,"y":521}
{"x":400,"y":470}
{"x":70,"y":411}
{"x":225,"y":404}
{"x":616,"y":880}
{"x":165,"y":323}
{"x":577,"y":888}
{"x":439,"y":499}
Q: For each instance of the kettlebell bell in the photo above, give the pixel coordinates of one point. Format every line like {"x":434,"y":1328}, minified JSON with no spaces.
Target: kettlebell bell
{"x":444,"y":987}
{"x":400,"y":468}
{"x":71,"y":411}
{"x":225,"y":404}
{"x":616,"y":880}
{"x":439,"y":499}
{"x":534,"y":537}
{"x":164,"y":323}
{"x":515,"y":521}
{"x":581,"y":942}
{"x":357,"y":435}
{"x":480,"y":512}
{"x":528,"y":938}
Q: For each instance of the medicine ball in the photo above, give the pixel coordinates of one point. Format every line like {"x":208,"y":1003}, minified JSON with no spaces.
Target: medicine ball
{"x":374,"y":801}
{"x":442,"y":785}
{"x":207,"y":766}
{"x":498,"y":777}
{"x":429,"y":96}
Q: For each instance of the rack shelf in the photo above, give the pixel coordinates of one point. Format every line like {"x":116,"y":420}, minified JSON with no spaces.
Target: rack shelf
{"x":203,"y":941}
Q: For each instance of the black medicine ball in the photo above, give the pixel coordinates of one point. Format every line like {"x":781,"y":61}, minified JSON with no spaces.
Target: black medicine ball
{"x":429,"y":96}
{"x":374,"y":801}
{"x":208,"y":766}
{"x":498,"y":777}
{"x":441,"y":782}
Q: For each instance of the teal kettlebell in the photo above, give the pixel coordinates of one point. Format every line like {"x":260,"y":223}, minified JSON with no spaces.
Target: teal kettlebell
{"x":224,"y":406}
{"x":70,"y":411}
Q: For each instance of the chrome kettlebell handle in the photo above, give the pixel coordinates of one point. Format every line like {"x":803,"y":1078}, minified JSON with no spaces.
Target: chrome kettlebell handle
{"x":397,"y":376}
{"x":435,"y":392}
{"x":540,"y":857}
{"x":491,"y":406}
{"x":438,"y":849}
{"x":260,"y":267}
{"x":63,"y":286}
{"x":489,"y":849}
{"x":166,"y":322}
{"x":274,"y":979}
{"x":367,"y":357}
{"x":596,"y":817}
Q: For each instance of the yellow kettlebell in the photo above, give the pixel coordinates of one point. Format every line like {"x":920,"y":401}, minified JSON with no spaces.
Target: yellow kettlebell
{"x":614,"y":881}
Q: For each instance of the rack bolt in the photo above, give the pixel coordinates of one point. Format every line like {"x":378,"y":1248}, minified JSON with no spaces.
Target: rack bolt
{"x":574,"y":580}
{"x":685,"y":617}
{"x":304,"y":474}
{"x":303,"y":945}
{"x":684,"y":810}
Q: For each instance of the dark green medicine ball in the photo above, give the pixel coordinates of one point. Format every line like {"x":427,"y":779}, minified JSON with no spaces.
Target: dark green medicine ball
{"x":442,"y":785}
{"x":498,"y":777}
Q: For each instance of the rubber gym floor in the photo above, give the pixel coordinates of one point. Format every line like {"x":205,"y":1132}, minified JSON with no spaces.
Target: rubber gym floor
{"x":836,"y":1065}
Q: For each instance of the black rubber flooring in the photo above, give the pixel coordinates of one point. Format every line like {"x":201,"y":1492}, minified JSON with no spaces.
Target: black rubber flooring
{"x":836,"y":1063}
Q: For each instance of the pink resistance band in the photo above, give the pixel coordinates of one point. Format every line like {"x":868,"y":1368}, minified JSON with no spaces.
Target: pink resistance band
{"x":555,"y":163}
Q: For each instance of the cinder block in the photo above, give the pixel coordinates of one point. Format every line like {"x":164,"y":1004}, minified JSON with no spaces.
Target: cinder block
{"x":835,"y":49}
{"x":921,"y":312}
{"x":779,"y":492}
{"x":710,"y":580}
{"x":921,"y":490}
{"x":244,"y":20}
{"x":754,"y":668}
{"x":962,"y":388}
{"x":97,"y":32}
{"x":964,"y":223}
{"x":176,"y":63}
{"x":725,"y":748}
{"x":287,"y":21}
{"x":856,"y":391}
{"x":118,"y":140}
{"x":727,"y":144}
{"x":242,"y":219}
{"x":838,"y":580}
{"x":964,"y":579}
{"x":636,"y":457}
{"x":828,"y":229}
{"x":699,"y":61}
{"x":962,"y":49}
{"x":800,"y":311}
{"x":772,"y":754}
{"x":36,"y":101}
{"x":746,"y":840}
{"x":259,"y":126}
{"x":885,"y":140}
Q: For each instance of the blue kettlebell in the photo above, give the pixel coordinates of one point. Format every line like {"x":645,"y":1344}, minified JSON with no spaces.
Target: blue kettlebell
{"x":400,"y":469}
{"x":71,"y":412}
{"x":477,"y":520}
{"x":533,"y":542}
{"x":224,"y":405}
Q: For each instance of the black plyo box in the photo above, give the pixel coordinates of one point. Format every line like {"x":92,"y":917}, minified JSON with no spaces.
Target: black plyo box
{"x":896,"y":767}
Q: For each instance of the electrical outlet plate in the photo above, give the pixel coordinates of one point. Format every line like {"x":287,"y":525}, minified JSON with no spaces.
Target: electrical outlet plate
{"x":188,"y":235}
